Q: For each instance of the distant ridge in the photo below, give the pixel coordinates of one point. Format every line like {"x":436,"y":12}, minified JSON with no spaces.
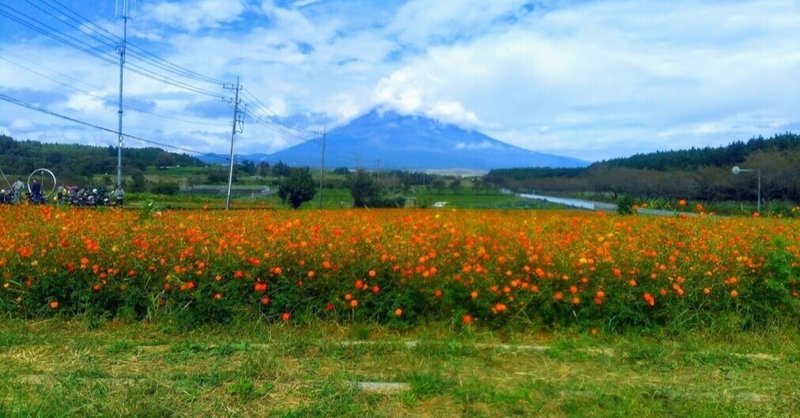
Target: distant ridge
{"x":393,"y":141}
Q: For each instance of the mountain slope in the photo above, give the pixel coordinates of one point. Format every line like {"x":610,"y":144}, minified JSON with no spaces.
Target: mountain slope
{"x":392,"y":141}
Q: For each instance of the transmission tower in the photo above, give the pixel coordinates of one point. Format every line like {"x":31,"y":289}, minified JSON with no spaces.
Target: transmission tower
{"x":322,"y":166}
{"x":123,"y":10}
{"x":238,"y":126}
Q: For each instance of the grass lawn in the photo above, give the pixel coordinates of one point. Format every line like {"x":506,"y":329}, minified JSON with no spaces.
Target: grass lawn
{"x":333,"y":199}
{"x":60,"y":368}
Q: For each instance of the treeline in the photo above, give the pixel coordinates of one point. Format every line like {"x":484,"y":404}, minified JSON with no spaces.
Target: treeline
{"x":701,"y":174}
{"x":72,"y":161}
{"x":692,"y":158}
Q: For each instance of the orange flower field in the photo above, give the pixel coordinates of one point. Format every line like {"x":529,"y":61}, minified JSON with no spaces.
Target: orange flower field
{"x":398,"y":266}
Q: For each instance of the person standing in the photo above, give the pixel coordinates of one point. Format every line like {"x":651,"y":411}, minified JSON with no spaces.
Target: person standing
{"x":36,"y":192}
{"x":119,"y":195}
{"x":16,"y":188}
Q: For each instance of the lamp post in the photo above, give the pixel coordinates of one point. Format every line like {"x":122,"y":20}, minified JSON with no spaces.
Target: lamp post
{"x":737,"y":170}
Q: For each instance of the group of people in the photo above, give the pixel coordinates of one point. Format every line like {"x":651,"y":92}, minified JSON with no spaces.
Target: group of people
{"x":70,"y":195}
{"x":76,"y":196}
{"x":15,"y":194}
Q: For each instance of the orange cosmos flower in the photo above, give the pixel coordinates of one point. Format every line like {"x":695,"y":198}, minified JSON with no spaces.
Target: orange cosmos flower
{"x":649,"y":299}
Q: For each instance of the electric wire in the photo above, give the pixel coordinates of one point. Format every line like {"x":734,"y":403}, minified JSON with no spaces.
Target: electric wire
{"x":260,"y":112}
{"x":260,"y":108}
{"x":95,"y":95}
{"x":21,"y":103}
{"x":75,"y":43}
{"x":132,"y":49}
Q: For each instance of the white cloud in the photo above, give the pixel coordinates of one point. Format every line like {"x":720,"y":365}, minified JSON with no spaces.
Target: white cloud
{"x":194,"y":15}
{"x":610,"y":75}
{"x":85,"y":103}
{"x":475,"y":146}
{"x":21,"y":125}
{"x":588,"y":79}
{"x":424,"y":22}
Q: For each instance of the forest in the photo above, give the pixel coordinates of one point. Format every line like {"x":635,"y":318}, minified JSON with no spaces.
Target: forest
{"x":73,"y":161}
{"x":702,"y":174}
{"x":697,"y":173}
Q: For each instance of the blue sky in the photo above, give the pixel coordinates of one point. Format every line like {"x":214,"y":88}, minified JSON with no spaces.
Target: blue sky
{"x":586,"y":79}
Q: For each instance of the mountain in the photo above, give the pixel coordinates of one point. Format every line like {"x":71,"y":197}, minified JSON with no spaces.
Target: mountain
{"x":392,"y":141}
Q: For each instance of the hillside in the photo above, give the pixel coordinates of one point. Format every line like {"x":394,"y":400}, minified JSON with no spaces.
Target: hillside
{"x":698,"y":173}
{"x":73,"y":160}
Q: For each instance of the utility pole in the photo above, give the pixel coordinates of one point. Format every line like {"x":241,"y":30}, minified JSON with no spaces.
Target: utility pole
{"x":238,"y":126}
{"x":322,"y":167}
{"x":123,"y":10}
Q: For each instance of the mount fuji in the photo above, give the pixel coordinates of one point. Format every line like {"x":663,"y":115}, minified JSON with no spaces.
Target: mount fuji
{"x":390,"y":140}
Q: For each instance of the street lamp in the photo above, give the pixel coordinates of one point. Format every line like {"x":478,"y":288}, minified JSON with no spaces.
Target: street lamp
{"x":737,"y":170}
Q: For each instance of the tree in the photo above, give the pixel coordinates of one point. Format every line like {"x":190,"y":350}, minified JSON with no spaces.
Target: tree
{"x":299,"y":187}
{"x":455,"y":185}
{"x":164,"y":160}
{"x":163,"y":187}
{"x":280,"y":169}
{"x":439,"y":184}
{"x":139,"y":182}
{"x":364,"y":189}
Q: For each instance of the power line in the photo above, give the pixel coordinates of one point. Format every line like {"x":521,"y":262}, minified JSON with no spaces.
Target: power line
{"x":98,"y":127}
{"x":50,"y":32}
{"x":89,"y":93}
{"x":262,"y":113}
{"x":78,"y":19}
{"x":281,"y":129}
{"x":261,"y":108}
{"x":114,"y":40}
{"x":80,"y":45}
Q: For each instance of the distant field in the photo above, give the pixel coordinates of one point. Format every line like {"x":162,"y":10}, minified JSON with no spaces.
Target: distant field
{"x":331,"y":199}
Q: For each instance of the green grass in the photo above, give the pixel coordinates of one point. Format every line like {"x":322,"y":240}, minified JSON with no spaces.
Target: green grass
{"x":335,"y":199}
{"x":58,"y":368}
